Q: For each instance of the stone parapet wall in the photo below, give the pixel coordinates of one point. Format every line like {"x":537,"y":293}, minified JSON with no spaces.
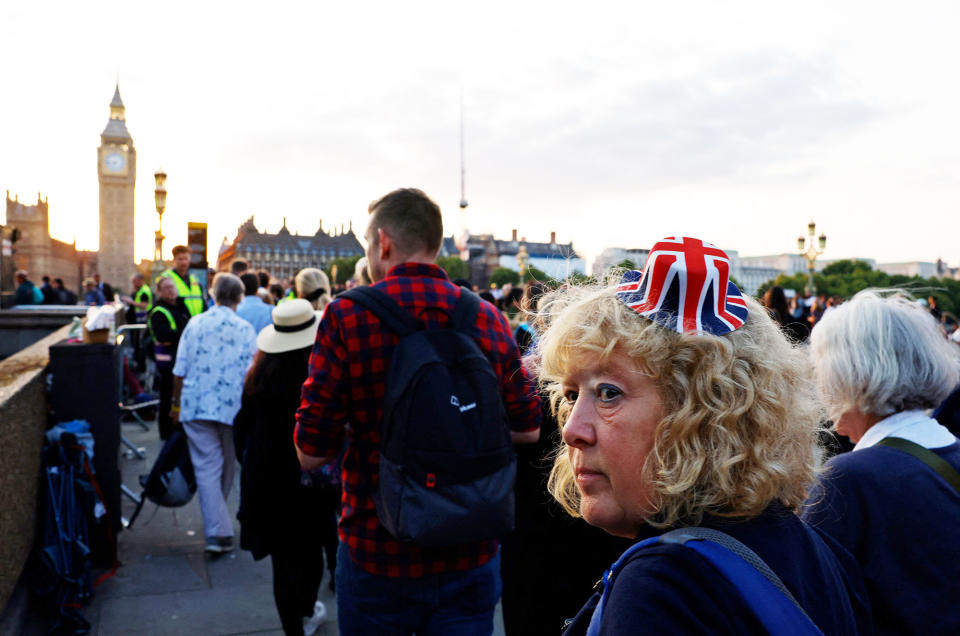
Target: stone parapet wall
{"x":23,"y":422}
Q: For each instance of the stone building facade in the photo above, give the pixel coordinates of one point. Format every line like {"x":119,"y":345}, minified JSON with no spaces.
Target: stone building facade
{"x":38,"y":253}
{"x":486,"y":253}
{"x":117,"y":172}
{"x":284,"y":254}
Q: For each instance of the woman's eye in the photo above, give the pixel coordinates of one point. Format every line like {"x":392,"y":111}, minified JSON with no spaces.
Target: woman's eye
{"x":607,"y":393}
{"x":570,"y":396}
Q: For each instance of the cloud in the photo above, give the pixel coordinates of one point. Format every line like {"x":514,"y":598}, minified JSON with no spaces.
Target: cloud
{"x":740,"y":117}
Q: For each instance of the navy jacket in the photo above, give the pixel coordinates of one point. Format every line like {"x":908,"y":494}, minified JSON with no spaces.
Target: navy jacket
{"x":670,"y":589}
{"x":902,"y":523}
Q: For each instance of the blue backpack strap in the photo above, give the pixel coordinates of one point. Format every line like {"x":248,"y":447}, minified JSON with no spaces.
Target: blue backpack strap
{"x":383,"y":307}
{"x":593,"y":629}
{"x":763,"y":591}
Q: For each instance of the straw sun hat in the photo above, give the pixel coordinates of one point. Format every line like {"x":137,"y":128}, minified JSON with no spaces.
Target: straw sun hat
{"x":294,"y":327}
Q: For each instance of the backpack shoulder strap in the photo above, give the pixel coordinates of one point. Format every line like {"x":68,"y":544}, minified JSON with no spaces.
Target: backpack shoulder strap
{"x":683,"y":535}
{"x":737,"y":563}
{"x":383,"y":307}
{"x":593,"y":628}
{"x":466,"y":310}
{"x":927,"y":456}
{"x":740,"y":566}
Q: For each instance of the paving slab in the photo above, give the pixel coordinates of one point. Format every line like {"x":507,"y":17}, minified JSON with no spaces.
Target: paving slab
{"x":228,"y":610}
{"x":238,"y":568}
{"x":156,"y":575}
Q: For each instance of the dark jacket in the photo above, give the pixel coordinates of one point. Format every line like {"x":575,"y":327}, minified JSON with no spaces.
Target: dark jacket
{"x":160,"y":326}
{"x":275,"y":509}
{"x":669,"y":589}
{"x":899,"y":519}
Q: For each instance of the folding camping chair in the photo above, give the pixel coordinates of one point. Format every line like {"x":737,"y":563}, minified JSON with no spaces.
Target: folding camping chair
{"x":127,"y":335}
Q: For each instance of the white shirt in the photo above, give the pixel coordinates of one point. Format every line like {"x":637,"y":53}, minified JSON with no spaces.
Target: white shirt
{"x":215,"y":351}
{"x":913,"y":426}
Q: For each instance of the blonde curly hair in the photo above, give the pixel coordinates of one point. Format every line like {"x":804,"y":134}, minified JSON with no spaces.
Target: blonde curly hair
{"x":741,"y":420}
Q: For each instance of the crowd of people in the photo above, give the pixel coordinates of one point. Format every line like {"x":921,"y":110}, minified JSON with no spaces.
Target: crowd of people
{"x":665,"y":433}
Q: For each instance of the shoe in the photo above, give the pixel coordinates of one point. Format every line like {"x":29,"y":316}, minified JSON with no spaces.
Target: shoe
{"x":219,"y":545}
{"x":311,"y":624}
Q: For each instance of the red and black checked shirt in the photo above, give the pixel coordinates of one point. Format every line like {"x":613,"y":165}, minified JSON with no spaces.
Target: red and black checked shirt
{"x":343,"y":396}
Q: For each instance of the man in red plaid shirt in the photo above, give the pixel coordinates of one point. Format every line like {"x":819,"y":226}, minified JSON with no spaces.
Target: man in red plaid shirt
{"x":385,"y":586}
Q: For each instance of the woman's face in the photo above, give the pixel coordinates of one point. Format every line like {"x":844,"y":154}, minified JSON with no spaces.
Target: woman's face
{"x":615,"y":410}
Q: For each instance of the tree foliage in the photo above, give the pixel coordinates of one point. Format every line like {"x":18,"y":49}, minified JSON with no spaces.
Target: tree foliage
{"x":454,"y":266}
{"x":846,"y":278}
{"x":534,"y":273}
{"x":345,"y":268}
{"x":503,"y":275}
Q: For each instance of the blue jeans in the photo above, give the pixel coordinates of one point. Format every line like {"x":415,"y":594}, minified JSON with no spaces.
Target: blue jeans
{"x":451,"y":604}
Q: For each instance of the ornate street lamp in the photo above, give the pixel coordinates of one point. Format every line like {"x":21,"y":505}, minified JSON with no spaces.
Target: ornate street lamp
{"x":812,"y":252}
{"x":160,"y":198}
{"x":522,"y":259}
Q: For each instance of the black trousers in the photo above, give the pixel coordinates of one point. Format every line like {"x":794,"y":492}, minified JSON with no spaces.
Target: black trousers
{"x":164,"y":422}
{"x":297,"y":572}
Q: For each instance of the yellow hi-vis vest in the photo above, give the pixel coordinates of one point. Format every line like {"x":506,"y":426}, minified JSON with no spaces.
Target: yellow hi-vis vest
{"x":192,"y":295}
{"x":144,"y":295}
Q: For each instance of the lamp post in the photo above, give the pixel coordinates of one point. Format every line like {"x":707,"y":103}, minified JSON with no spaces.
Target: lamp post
{"x":160,"y":198}
{"x":811,"y":253}
{"x":522,"y":260}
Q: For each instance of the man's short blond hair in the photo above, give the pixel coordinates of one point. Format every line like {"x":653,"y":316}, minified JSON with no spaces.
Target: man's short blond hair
{"x":741,"y":419}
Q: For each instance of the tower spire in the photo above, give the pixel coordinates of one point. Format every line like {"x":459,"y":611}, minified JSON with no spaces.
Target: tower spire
{"x":116,"y":104}
{"x":116,"y":125}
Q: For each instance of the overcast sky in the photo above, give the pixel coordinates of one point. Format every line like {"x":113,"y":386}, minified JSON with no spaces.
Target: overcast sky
{"x":612,"y":124}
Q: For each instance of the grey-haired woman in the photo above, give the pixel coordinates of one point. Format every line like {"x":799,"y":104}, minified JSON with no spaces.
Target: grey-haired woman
{"x":880,"y":363}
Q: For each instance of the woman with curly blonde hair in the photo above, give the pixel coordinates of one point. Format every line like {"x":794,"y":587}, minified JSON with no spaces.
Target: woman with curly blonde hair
{"x":682,"y":405}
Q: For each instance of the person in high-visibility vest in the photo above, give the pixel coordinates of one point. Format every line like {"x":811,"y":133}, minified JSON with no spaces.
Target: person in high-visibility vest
{"x":187,"y":285}
{"x":141,"y":300}
{"x":166,"y":322}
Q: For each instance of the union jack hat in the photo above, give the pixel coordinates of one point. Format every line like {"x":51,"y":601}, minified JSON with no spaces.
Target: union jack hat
{"x":685,"y":287}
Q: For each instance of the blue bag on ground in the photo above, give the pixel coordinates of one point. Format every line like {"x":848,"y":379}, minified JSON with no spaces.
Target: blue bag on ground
{"x":447,"y":464}
{"x":60,"y":572}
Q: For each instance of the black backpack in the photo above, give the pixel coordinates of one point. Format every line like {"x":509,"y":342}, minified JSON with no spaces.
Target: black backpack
{"x":447,"y":464}
{"x":171,"y":482}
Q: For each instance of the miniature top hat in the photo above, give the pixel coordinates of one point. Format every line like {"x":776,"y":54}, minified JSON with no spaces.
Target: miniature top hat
{"x":685,"y":287}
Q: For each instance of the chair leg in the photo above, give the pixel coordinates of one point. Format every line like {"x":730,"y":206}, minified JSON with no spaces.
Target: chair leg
{"x":140,"y":421}
{"x":134,"y":497}
{"x":137,"y":451}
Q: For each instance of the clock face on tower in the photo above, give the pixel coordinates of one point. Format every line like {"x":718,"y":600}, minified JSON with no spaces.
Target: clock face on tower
{"x":114,"y":162}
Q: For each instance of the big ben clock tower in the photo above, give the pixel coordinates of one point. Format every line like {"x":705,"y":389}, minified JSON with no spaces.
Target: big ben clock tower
{"x":117,"y":170}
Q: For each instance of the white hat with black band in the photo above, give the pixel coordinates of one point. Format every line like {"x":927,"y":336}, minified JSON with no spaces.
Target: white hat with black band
{"x":294,"y":327}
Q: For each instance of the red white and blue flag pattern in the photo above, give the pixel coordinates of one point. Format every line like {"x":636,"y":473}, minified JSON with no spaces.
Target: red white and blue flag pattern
{"x":685,"y":287}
